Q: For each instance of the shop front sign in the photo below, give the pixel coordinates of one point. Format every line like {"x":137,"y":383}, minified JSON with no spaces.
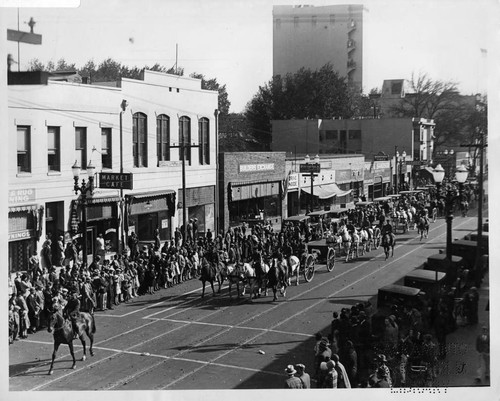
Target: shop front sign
{"x":20,"y":235}
{"x":17,"y":196}
{"x":116,"y":180}
{"x":252,"y":168}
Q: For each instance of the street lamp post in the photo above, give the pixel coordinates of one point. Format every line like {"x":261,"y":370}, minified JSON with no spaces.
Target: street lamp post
{"x":450,"y":197}
{"x":396,"y":155}
{"x":83,"y":189}
{"x":311,"y":175}
{"x":402,"y":169}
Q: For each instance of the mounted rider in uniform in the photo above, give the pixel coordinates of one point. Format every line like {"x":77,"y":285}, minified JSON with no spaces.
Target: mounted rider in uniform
{"x":72,"y":312}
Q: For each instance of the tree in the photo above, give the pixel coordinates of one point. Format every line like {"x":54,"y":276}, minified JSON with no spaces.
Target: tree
{"x":427,"y":98}
{"x":212,"y":84}
{"x":321,"y":93}
{"x":440,"y":101}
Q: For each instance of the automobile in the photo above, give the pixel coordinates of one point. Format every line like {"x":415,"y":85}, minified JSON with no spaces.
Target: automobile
{"x":485,"y":239}
{"x":395,"y":294}
{"x":431,"y":282}
{"x":299,"y":220}
{"x":439,"y":262}
{"x":468,"y":250}
{"x":327,"y":215}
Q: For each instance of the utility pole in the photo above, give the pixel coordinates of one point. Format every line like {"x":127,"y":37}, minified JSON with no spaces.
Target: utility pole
{"x":479,"y":145}
{"x":123,"y":236}
{"x":182,"y":153}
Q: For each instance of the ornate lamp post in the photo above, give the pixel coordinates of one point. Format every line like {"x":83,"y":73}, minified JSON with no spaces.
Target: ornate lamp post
{"x":311,"y":174}
{"x":83,"y":189}
{"x":450,"y":197}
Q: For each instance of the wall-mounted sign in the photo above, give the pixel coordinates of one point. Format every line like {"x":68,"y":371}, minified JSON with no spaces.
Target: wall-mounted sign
{"x":116,"y":180}
{"x":170,"y":163}
{"x":20,"y":235}
{"x":310,"y":168}
{"x":164,"y":223}
{"x":252,"y":168}
{"x":21,"y":195}
{"x":380,"y":157}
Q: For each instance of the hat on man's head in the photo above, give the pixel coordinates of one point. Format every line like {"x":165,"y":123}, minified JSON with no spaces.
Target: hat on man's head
{"x":300,"y":366}
{"x":330,"y":365}
{"x":290,"y":370}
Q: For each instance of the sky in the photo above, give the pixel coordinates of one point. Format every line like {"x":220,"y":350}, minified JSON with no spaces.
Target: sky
{"x":231,"y":40}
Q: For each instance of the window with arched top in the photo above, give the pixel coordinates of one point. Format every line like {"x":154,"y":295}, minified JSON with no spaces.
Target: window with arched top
{"x":204,"y":140}
{"x":163,"y":138}
{"x":185,"y":138}
{"x":140,"y":140}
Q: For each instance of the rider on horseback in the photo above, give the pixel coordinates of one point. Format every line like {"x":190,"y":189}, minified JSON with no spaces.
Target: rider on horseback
{"x":72,"y":311}
{"x":387,"y":230}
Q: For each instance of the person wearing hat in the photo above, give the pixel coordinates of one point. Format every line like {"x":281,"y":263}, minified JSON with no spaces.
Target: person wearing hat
{"x":303,"y":376}
{"x":34,"y":309}
{"x":292,"y":381}
{"x":324,"y":354}
{"x":331,"y":378}
{"x":72,"y":312}
{"x":381,"y":379}
{"x":382,"y":364}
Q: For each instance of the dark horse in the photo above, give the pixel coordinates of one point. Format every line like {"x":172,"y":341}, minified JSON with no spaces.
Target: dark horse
{"x":277,"y":277}
{"x":210,"y":272}
{"x":423,"y":227}
{"x":63,"y":334}
{"x":388,"y":242}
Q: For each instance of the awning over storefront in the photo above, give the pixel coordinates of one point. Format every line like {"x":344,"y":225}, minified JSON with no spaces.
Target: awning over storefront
{"x":23,"y":208}
{"x":326,"y":191}
{"x":153,"y":201}
{"x":151,"y":194}
{"x":106,"y":199}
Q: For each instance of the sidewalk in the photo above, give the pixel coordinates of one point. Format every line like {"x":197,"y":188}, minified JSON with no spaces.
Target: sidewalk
{"x":460,"y":365}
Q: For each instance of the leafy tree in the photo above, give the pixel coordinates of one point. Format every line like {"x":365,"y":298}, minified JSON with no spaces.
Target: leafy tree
{"x":212,"y":84}
{"x":321,"y":93}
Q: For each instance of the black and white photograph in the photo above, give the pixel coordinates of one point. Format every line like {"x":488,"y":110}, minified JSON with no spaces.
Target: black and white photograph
{"x":233,"y":198}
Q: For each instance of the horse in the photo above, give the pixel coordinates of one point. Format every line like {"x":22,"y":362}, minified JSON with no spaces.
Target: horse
{"x":355,"y":244}
{"x":365,"y":239}
{"x":64,"y":334}
{"x":346,"y":241}
{"x":293,"y":264}
{"x":388,"y":242}
{"x":209,"y":272}
{"x":255,"y":275}
{"x":277,"y":277}
{"x":233,"y":273}
{"x":423,"y":227}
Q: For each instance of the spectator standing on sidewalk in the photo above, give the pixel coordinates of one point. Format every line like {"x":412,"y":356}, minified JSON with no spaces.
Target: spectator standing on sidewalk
{"x":483,"y":349}
{"x":303,"y":376}
{"x":292,"y":381}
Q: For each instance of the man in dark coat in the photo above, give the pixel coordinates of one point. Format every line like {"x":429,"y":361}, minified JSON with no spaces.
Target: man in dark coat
{"x":72,"y":311}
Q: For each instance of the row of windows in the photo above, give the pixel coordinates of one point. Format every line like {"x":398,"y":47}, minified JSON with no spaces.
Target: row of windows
{"x":342,"y":135}
{"x":139,"y":143}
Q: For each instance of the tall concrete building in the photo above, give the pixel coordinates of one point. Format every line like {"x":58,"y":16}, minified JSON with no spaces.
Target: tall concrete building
{"x":310,"y":37}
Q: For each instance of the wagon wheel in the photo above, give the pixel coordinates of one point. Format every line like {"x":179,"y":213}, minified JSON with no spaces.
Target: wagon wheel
{"x":309,"y":268}
{"x":377,"y":242}
{"x":330,"y":259}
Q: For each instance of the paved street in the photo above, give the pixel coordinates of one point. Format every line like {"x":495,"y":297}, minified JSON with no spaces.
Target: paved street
{"x":176,"y":340}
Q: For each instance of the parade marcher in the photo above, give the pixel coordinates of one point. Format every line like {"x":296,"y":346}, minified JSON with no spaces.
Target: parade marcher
{"x":88,"y":296}
{"x":303,"y":376}
{"x":292,"y":381}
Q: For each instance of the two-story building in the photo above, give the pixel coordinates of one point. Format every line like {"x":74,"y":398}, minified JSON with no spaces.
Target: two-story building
{"x":133,"y":127}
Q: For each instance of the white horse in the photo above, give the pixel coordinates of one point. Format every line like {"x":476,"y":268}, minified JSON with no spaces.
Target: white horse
{"x":293,"y":263}
{"x":234,"y":274}
{"x":346,"y":241}
{"x":365,"y":239}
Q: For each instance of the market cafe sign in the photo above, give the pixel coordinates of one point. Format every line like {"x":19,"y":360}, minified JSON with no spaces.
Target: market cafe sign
{"x":251,"y":168}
